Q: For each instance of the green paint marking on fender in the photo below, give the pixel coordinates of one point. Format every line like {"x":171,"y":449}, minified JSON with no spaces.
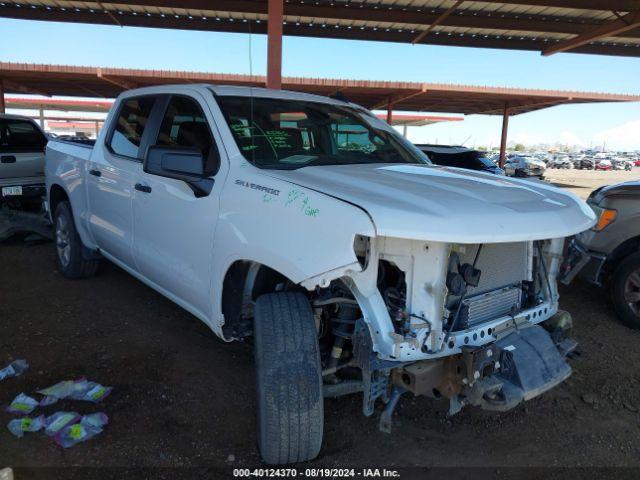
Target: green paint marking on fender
{"x":292,"y":196}
{"x":311,"y":212}
{"x":302,"y":201}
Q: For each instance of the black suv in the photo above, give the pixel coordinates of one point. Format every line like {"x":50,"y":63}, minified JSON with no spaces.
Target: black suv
{"x":460,"y":157}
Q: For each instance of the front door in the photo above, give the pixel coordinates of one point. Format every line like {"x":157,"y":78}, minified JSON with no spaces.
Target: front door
{"x":173,"y":229}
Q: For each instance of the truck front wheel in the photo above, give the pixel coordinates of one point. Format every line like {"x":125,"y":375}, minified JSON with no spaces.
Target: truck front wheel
{"x":69,"y":247}
{"x":289,"y":379}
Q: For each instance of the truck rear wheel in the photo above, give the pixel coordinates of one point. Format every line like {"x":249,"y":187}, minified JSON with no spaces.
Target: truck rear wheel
{"x":289,"y":379}
{"x":625,"y":290}
{"x":69,"y":247}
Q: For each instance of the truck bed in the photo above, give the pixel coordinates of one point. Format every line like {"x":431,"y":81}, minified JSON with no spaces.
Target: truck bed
{"x":80,"y":149}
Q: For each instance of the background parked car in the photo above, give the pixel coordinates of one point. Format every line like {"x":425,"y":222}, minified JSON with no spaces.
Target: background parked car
{"x":522,"y":166}
{"x":604,"y":165}
{"x":460,"y":157}
{"x":621,"y":163}
{"x":584,"y":163}
{"x":22,"y":145}
{"x":542,"y":156}
{"x":560,"y":161}
{"x":608,"y":255}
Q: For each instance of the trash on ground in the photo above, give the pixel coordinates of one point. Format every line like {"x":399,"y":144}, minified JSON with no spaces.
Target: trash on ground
{"x":59,"y":390}
{"x":81,"y":389}
{"x":22,"y":404}
{"x":66,"y":428}
{"x":98,"y":419}
{"x":14,"y":369}
{"x":93,"y":392}
{"x":90,"y":426}
{"x":6,"y":474}
{"x":48,"y":400}
{"x":20,"y":425}
{"x":56,"y":422}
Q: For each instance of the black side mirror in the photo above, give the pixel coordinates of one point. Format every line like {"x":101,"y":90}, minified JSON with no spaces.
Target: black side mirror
{"x":181,"y":163}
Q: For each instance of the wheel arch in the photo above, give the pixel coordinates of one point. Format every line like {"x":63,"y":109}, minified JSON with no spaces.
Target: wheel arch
{"x":622,"y":251}
{"x":244,"y":281}
{"x":57,"y":194}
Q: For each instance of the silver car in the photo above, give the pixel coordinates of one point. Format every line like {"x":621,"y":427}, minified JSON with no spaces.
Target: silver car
{"x":524,"y":166}
{"x":22,"y":145}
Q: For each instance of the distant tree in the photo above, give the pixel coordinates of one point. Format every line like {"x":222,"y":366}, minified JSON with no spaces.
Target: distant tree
{"x":484,"y":149}
{"x":520,"y":147}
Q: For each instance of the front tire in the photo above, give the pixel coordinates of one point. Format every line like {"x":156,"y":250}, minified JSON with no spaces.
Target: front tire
{"x":289,"y":379}
{"x":69,"y":247}
{"x":625,"y":290}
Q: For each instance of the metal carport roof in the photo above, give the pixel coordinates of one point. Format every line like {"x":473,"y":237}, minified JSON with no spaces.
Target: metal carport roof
{"x":610,"y":27}
{"x":409,"y":96}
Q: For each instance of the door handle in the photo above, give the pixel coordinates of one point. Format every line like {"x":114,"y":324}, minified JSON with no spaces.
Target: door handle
{"x":143,"y":188}
{"x":8,"y":159}
{"x":95,"y":173}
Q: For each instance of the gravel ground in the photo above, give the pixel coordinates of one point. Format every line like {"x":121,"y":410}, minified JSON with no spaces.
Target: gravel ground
{"x":582,"y":182}
{"x":182,"y":397}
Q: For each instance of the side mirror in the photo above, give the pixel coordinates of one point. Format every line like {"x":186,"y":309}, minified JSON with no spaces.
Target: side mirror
{"x":181,"y":163}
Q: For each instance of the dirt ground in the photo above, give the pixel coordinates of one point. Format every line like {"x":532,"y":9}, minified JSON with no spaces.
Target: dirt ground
{"x":583,"y":182}
{"x":183,"y":398}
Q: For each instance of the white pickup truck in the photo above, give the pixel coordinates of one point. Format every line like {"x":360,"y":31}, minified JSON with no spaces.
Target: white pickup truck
{"x":313,"y":227}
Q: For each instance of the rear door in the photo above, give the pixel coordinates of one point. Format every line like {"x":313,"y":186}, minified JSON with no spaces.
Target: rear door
{"x":112,"y":171}
{"x":173,"y":238}
{"x":22,"y":145}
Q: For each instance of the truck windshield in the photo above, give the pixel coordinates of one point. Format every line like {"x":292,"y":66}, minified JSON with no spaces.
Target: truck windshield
{"x":290,"y":134}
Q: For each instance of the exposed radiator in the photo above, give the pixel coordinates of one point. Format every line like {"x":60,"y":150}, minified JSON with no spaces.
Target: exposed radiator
{"x":502,"y":264}
{"x":490,"y":305}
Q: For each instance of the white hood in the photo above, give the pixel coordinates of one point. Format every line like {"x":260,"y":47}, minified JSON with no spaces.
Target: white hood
{"x":448,"y":204}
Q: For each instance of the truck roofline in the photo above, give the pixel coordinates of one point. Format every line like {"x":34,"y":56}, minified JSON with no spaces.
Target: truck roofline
{"x":233,"y":90}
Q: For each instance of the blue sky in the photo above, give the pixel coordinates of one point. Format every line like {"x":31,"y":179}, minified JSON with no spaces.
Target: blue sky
{"x":617,"y":124}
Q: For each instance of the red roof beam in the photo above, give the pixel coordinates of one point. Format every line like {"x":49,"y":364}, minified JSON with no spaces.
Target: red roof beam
{"x":609,"y":29}
{"x":9,"y":85}
{"x":619,"y":5}
{"x":443,"y":16}
{"x":392,"y":100}
{"x":115,"y":81}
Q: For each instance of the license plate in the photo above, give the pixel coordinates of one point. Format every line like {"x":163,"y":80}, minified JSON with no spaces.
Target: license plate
{"x":11,"y":191}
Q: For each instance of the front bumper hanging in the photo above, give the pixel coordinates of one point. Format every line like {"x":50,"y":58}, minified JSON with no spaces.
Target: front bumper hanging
{"x":526,"y":362}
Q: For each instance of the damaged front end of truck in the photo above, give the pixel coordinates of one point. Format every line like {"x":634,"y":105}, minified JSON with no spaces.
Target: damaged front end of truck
{"x":477,"y":324}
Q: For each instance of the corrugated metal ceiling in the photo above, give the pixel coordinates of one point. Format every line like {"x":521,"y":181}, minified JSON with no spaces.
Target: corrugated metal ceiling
{"x":474,"y":23}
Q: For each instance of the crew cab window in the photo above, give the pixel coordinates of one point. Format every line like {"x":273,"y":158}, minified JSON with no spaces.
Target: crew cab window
{"x":17,"y":135}
{"x":132,"y":120}
{"x":184,"y":125}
